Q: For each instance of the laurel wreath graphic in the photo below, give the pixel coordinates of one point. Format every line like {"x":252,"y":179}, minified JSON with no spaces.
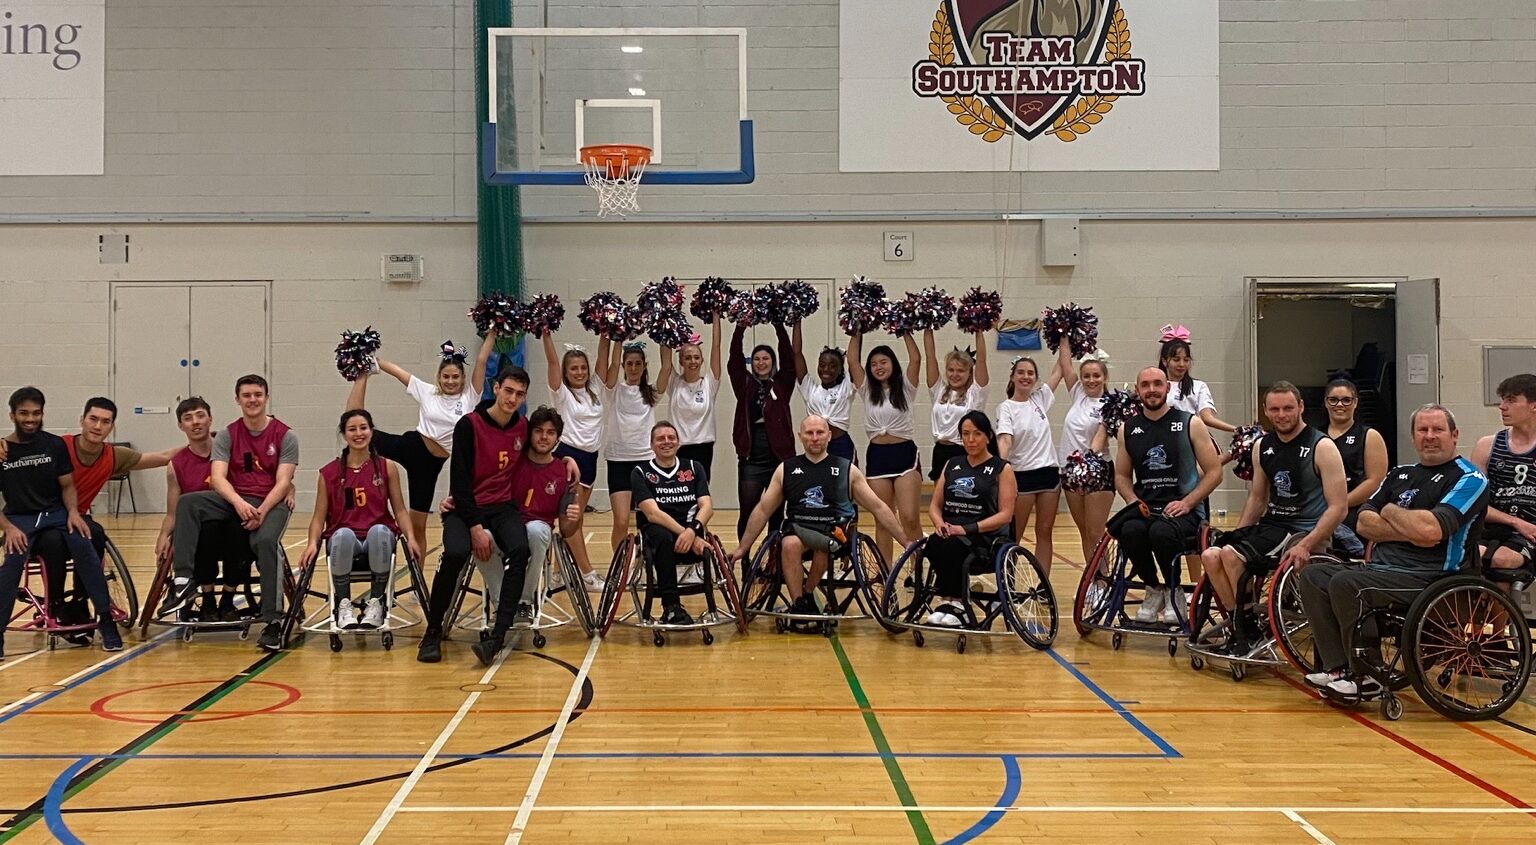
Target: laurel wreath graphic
{"x":1081,"y":116}
{"x":982,"y":120}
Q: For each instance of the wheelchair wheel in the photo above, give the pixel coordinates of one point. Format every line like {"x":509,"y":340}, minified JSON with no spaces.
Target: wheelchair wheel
{"x":1468,"y":649}
{"x":1209,"y":620}
{"x":575,"y":588}
{"x":1029,"y":604}
{"x":871,"y":573}
{"x":763,"y":580}
{"x":726,"y":582}
{"x":614,"y":587}
{"x":157,"y":588}
{"x":1288,"y":620}
{"x":1382,"y":654}
{"x":1095,"y":589}
{"x":125,"y":599}
{"x":907,"y":591}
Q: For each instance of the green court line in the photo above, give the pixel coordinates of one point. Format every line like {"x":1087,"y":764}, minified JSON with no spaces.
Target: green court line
{"x":148,"y":740}
{"x":892,"y":768}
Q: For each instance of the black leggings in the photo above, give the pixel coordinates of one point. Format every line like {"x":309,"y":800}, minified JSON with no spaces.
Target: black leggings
{"x":1155,"y":544}
{"x":954,"y":559}
{"x":422,"y":468}
{"x":511,"y":536}
{"x":664,"y":561}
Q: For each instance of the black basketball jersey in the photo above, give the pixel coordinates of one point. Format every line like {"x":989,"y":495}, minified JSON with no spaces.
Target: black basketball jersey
{"x":1352,"y":451}
{"x":1512,"y":478}
{"x":1295,"y":490}
{"x":816,"y":492}
{"x":676,"y":490}
{"x":1162,"y":459}
{"x":970,"y":492}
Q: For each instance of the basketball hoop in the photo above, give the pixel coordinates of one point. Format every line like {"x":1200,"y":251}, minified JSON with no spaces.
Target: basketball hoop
{"x":614,"y":171}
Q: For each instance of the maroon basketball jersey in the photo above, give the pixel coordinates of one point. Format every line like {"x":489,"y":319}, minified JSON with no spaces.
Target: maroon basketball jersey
{"x":358,"y":497}
{"x":253,"y":458}
{"x":497,"y":453}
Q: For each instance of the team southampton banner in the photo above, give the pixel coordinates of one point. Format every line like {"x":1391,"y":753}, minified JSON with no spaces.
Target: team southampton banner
{"x":997,"y":85}
{"x":52,"y":87}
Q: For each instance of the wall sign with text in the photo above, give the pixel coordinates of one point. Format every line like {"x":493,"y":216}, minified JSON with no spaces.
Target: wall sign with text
{"x":52,"y":87}
{"x":978,"y":85}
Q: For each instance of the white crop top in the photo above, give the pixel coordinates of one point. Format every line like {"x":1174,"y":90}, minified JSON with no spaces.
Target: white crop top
{"x":1081,"y":423}
{"x":439,"y":413}
{"x":692,"y":407}
{"x":885,"y":418}
{"x":1026,"y":421}
{"x":1198,"y":399}
{"x":946,"y":416}
{"x":835,"y":403}
{"x":583,"y":416}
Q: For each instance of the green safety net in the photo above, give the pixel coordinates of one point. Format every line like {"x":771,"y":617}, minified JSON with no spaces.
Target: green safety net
{"x":500,"y":229}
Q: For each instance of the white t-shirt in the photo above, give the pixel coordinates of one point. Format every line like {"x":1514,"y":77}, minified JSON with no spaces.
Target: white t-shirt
{"x":583,"y":416}
{"x":631,"y":420}
{"x":440,"y":413}
{"x":693,"y":407}
{"x":885,"y":418}
{"x":835,"y":403}
{"x":1198,"y":398}
{"x":946,"y":417}
{"x":1033,"y":447}
{"x":1081,"y":423}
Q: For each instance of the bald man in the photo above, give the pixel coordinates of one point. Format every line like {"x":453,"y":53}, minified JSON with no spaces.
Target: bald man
{"x":820,"y":490}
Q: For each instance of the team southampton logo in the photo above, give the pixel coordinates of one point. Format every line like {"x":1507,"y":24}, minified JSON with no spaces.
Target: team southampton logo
{"x":814,"y":498}
{"x":1405,"y":498}
{"x":962,"y":488}
{"x":1029,"y":67}
{"x":1283,"y":484}
{"x":549,"y":488}
{"x":1157,"y":459}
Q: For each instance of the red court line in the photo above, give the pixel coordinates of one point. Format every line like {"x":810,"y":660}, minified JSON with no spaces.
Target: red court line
{"x":155,"y":717}
{"x":1498,"y":740}
{"x":1422,"y":752}
{"x":1072,"y":563}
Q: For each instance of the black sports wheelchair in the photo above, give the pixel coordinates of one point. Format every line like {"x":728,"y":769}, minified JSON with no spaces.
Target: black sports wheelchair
{"x":707,"y":576}
{"x":1003,"y":583}
{"x":856,"y":575}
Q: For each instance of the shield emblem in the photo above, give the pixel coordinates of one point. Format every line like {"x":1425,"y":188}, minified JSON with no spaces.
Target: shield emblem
{"x":1086,"y":22}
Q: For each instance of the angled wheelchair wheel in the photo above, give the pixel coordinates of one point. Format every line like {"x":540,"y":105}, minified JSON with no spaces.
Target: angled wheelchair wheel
{"x":1209,"y":621}
{"x":575,"y":589}
{"x":1468,"y":649}
{"x":1029,"y":603}
{"x":1095,"y":590}
{"x":616,"y":585}
{"x":907,"y":592}
{"x":125,"y":599}
{"x":726,"y":582}
{"x":871,"y":573}
{"x":1288,"y":620}
{"x":157,"y":588}
{"x":295,"y":588}
{"x":763,"y":579}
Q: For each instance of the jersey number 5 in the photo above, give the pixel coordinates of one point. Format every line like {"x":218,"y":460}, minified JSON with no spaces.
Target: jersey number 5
{"x":502,"y":459}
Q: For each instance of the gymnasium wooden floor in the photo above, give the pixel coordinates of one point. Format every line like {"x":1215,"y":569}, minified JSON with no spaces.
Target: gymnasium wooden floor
{"x":761,"y":738}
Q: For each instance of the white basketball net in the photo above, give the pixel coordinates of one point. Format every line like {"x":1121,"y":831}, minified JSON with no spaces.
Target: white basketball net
{"x":615,"y":195}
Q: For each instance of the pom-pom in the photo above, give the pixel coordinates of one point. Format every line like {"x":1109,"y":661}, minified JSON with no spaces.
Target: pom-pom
{"x":543,"y":315}
{"x":979,"y":310}
{"x":606,"y":314}
{"x":1118,"y":406}
{"x":935,"y":308}
{"x":669,"y":327}
{"x":862,"y":307}
{"x":1086,"y":473}
{"x":500,"y":312}
{"x":1077,"y":325}
{"x":1241,"y":450}
{"x":355,"y":351}
{"x":752,"y":307}
{"x":902,"y":315}
{"x":664,"y":295}
{"x":711,"y":297}
{"x":793,"y":301}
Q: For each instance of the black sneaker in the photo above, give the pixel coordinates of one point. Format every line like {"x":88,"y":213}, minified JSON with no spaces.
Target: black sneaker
{"x":485,"y":650}
{"x":179,"y":595}
{"x":1238,"y":646}
{"x":111,"y":639}
{"x":524,"y":617}
{"x":674,"y":614}
{"x":78,"y":639}
{"x":208,"y":608}
{"x":227,"y":610}
{"x":806,"y":604}
{"x":431,"y":648}
{"x":272,"y":637}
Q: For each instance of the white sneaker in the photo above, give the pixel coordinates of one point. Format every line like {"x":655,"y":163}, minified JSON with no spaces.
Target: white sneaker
{"x":943,"y":620}
{"x":593,"y":582}
{"x":1151,"y":602}
{"x":1320,"y":679}
{"x":1171,"y":599}
{"x":346,"y":616}
{"x":373,"y":614}
{"x":694,"y":575}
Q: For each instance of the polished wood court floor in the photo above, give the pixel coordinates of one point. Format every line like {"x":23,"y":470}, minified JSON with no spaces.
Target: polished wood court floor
{"x":760,"y":738}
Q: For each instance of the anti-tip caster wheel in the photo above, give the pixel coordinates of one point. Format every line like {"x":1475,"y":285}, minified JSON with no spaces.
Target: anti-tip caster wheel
{"x":335,"y":642}
{"x":245,"y":633}
{"x":658,"y":640}
{"x":1116,"y":640}
{"x":1391,"y":707}
{"x":1239,"y":671}
{"x":709,"y":639}
{"x":186,"y":635}
{"x":539,"y":640}
{"x":388,"y":640}
{"x":780,"y":626}
{"x":1196,"y":662}
{"x":960,"y":644}
{"x":1173,"y":647}
{"x":484,"y":635}
{"x":828,"y":629}
{"x":917,"y":639}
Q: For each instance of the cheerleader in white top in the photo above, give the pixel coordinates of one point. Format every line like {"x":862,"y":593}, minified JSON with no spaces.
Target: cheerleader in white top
{"x":1024,"y":439}
{"x":631,"y":400}
{"x":423,"y":450}
{"x":570,"y":388}
{"x":891,"y":462}
{"x":962,"y":389}
{"x":827,"y":393}
{"x":691,"y":397}
{"x":1186,"y":392}
{"x":1083,"y":431}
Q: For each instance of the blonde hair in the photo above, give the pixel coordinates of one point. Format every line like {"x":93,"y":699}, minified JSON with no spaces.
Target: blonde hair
{"x":953,"y":395}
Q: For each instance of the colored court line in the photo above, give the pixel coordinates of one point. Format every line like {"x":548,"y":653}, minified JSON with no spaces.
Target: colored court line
{"x":814,"y":708}
{"x":629,"y":755}
{"x":1072,"y":563}
{"x":55,"y":800}
{"x":892,"y":768}
{"x":90,"y":673}
{"x":1499,"y":741}
{"x":99,"y":706}
{"x":1116,"y":706}
{"x":1012,"y":783}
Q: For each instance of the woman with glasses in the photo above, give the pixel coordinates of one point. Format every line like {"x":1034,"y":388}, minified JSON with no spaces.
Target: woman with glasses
{"x":1364,"y":451}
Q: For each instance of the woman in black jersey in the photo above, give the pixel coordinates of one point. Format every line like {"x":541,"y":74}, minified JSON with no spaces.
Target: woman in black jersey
{"x":1364,"y":451}
{"x":972,"y":505}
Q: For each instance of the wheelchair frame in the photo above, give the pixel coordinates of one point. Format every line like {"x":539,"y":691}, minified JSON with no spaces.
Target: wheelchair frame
{"x":625,"y":576}
{"x":293,"y":598}
{"x":473,"y":609}
{"x":1110,"y":611}
{"x":120,"y":589}
{"x":1279,"y":594}
{"x":323,"y":620}
{"x":861,"y":580}
{"x":910,"y":596}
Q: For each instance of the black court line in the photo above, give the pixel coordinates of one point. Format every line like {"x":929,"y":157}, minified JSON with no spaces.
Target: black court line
{"x":1516,"y":725}
{"x":581,"y":707}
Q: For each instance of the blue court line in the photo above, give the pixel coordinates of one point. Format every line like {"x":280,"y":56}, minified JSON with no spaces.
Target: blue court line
{"x":1010,"y":794}
{"x":154,"y":643}
{"x":53,"y":802}
{"x":1117,"y":706}
{"x":627,"y":755}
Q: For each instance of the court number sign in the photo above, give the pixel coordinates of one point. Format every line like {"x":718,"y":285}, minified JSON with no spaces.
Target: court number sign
{"x":898,"y":246}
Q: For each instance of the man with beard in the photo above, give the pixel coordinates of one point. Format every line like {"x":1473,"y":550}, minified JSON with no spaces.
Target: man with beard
{"x":1166,"y":467}
{"x":41,"y":508}
{"x":1298,"y":496}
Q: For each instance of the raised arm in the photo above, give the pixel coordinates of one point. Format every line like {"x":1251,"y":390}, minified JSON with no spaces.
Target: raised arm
{"x":983,"y":378}
{"x":152,"y":460}
{"x":736,"y":365}
{"x":855,"y":368}
{"x":608,"y":356}
{"x":663,"y":368}
{"x":865,"y":496}
{"x":1063,"y":365}
{"x":395,"y":370}
{"x":552,"y":372}
{"x":932,"y":362}
{"x":482,"y":360}
{"x":785,"y":377}
{"x":914,"y":359}
{"x":798,"y":342}
{"x":714,"y":347}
